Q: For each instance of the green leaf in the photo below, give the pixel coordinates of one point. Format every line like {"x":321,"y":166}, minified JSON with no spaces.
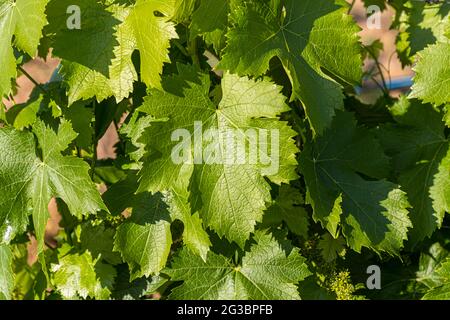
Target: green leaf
{"x":212,"y":26}
{"x":330,"y":247}
{"x":441,"y":292}
{"x":269,"y":271}
{"x":429,"y":263}
{"x":23,"y":19}
{"x":106,"y":275}
{"x":97,"y":58}
{"x":194,"y":236}
{"x":228,"y":190}
{"x":133,"y":130}
{"x":183,"y":10}
{"x":311,"y":290}
{"x":85,"y":83}
{"x":30,"y":281}
{"x":29,"y":181}
{"x":107,"y":113}
{"x":93,"y":44}
{"x":153,"y":34}
{"x":287,"y":208}
{"x":421,"y":158}
{"x":23,"y":115}
{"x":81,"y":118}
{"x":6,"y":273}
{"x":78,"y":275}
{"x":421,"y":25}
{"x":431,"y":82}
{"x":99,"y":240}
{"x":126,"y":290}
{"x":374,"y":212}
{"x":144,"y":239}
{"x":308,"y":36}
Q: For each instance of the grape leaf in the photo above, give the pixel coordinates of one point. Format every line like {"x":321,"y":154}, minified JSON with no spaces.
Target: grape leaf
{"x":372,"y":212}
{"x":81,"y":118}
{"x":230,"y":192}
{"x":421,"y":25}
{"x":23,"y":115}
{"x":107,"y":113}
{"x":92,"y":45}
{"x":432,"y":79}
{"x":429,"y":262}
{"x":6,"y":273}
{"x":286,"y":207}
{"x":152,"y":34}
{"x":211,"y":26}
{"x":85,"y":82}
{"x":35,"y":180}
{"x":30,"y":281}
{"x":23,"y":19}
{"x":183,"y":10}
{"x":441,"y":292}
{"x":307,"y":36}
{"x":421,"y":157}
{"x":145,"y":238}
{"x":99,"y":240}
{"x":126,"y":290}
{"x":106,"y":69}
{"x":194,"y":236}
{"x":330,"y":247}
{"x":78,"y":275}
{"x":133,"y":130}
{"x":269,"y":271}
{"x":121,"y":195}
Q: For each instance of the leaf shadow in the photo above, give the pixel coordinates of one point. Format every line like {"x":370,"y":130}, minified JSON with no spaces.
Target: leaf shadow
{"x":146,"y":208}
{"x":417,"y":145}
{"x":92,"y":45}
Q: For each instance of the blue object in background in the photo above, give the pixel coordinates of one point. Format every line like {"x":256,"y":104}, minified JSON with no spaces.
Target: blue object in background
{"x":400,"y":83}
{"x":396,"y":83}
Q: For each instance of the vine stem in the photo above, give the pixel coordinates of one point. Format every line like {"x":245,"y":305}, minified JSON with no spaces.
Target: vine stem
{"x":95,"y":141}
{"x":26,"y":74}
{"x":351,"y":6}
{"x":11,"y":97}
{"x":193,"y":50}
{"x":377,"y":63}
{"x":180,"y":47}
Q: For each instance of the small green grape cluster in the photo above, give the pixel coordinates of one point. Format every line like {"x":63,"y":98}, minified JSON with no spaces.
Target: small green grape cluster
{"x":341,"y":284}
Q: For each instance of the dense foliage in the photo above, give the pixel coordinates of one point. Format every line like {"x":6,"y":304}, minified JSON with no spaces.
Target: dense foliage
{"x":357,"y":184}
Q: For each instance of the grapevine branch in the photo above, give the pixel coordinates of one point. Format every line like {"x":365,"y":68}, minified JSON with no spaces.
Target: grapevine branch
{"x":26,"y":74}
